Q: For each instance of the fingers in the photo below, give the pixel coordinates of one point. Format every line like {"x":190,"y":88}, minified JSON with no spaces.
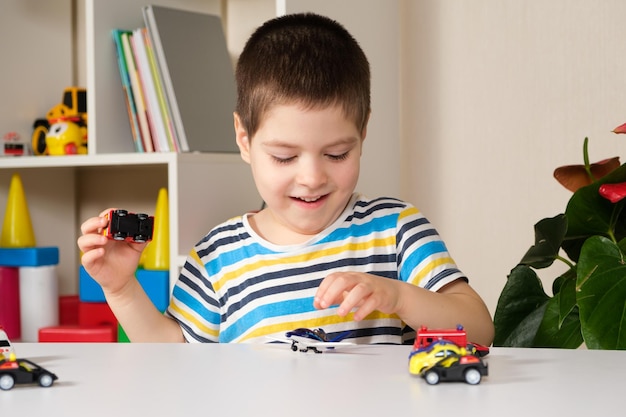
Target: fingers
{"x":93,"y":225}
{"x":358,"y":292}
{"x":105,"y":212}
{"x":349,"y":290}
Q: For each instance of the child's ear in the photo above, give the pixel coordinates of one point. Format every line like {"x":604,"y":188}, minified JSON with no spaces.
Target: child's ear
{"x":241,"y":136}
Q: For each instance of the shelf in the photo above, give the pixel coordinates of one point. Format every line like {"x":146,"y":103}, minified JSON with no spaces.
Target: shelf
{"x":204,"y":189}
{"x":70,"y":161}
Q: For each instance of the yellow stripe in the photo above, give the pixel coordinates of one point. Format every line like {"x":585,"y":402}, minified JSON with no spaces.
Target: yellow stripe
{"x":194,"y":255}
{"x":408,"y":212}
{"x":312,"y":324}
{"x":303,"y":258}
{"x":190,"y":318}
{"x":429,"y":267}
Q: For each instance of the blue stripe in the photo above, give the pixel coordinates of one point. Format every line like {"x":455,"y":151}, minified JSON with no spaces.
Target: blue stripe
{"x":376,"y":261}
{"x":195,"y":287}
{"x":237,"y":255}
{"x":419,"y":255}
{"x":194,"y":304}
{"x":379,"y":224}
{"x":278,"y":309}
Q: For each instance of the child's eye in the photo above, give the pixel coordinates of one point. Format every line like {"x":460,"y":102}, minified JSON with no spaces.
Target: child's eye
{"x":340,"y":157}
{"x":280,"y":160}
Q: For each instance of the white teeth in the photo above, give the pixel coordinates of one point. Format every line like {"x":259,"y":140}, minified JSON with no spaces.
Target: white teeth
{"x":309,"y":200}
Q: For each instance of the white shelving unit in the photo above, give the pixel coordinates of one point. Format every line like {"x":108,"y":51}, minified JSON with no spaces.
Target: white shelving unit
{"x":204,"y":189}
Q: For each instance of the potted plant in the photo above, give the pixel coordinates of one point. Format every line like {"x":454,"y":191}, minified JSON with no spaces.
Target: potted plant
{"x":588,"y":305}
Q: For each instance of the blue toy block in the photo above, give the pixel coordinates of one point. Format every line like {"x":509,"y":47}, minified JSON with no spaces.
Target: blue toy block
{"x":156,"y":285}
{"x":89,"y":290}
{"x":37,"y":256}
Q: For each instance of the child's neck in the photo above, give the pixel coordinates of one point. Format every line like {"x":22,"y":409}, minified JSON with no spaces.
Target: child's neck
{"x":274,"y":232}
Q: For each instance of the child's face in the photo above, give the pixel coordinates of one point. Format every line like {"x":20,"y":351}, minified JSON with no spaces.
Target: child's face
{"x":305,"y":165}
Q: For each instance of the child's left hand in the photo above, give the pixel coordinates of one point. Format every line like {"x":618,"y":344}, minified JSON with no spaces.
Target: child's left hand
{"x":358,"y":290}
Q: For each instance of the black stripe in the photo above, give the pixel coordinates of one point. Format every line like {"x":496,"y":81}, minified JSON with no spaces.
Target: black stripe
{"x":440,"y":276}
{"x":195,"y":287}
{"x":321,"y":267}
{"x":224,"y":241}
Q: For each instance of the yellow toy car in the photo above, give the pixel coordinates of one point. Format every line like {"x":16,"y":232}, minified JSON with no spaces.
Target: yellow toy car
{"x":435,"y":352}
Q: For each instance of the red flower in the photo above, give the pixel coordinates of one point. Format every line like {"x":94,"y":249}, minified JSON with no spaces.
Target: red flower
{"x":613,"y":192}
{"x":620,"y":129}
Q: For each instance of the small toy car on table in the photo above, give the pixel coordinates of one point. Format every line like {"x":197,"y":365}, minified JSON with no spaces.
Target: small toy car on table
{"x":23,"y":371}
{"x":469,"y":368}
{"x":458,"y":336}
{"x":129,"y":226}
{"x":304,"y":339}
{"x":424,"y":358}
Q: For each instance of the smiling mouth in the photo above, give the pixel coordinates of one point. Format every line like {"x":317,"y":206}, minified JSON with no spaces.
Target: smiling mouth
{"x":310,"y":199}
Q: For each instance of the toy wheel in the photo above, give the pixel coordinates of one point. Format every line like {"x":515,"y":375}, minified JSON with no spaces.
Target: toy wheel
{"x":139,"y":238}
{"x":6,"y":382}
{"x":432,"y":377}
{"x":472,"y":376}
{"x":121,"y":213}
{"x":119,"y":236}
{"x":38,"y":139}
{"x":142,"y":216}
{"x":45,"y":380}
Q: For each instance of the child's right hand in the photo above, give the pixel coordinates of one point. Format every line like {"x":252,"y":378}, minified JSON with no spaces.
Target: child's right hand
{"x":111,"y":263}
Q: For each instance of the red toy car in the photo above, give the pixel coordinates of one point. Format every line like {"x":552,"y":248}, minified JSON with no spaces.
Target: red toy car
{"x":425,"y":337}
{"x":129,"y":226}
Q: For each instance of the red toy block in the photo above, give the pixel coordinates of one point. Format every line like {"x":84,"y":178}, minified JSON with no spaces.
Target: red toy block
{"x":68,"y":310}
{"x":94,"y":334}
{"x":10,"y":301}
{"x":95,"y":314}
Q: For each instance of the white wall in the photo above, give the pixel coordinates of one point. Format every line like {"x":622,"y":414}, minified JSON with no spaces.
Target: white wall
{"x":35,"y":40}
{"x":497,"y":95}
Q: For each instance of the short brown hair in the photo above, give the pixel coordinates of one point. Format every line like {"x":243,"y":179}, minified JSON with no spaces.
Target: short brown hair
{"x":306,"y":59}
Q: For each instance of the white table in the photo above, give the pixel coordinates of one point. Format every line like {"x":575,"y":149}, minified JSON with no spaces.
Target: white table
{"x":152,"y":380}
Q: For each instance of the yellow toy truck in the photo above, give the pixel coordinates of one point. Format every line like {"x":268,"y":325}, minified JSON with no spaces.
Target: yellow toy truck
{"x":72,"y":109}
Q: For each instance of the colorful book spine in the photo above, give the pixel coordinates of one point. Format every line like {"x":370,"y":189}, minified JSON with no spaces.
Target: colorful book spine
{"x":153,"y":110}
{"x":158,"y":85}
{"x":128,"y":92}
{"x":137,"y":94}
{"x":168,"y":88}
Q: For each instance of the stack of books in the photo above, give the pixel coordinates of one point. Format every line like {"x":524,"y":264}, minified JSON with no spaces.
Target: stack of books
{"x":178,"y":82}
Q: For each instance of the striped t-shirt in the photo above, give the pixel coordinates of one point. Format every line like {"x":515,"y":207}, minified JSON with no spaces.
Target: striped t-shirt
{"x":238,"y":287}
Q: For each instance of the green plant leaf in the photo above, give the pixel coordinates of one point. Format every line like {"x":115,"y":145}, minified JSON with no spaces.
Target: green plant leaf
{"x":520,"y":308}
{"x":589,"y":214}
{"x":601,"y":283}
{"x":567,"y":294}
{"x":549,"y":234}
{"x":555,"y":331}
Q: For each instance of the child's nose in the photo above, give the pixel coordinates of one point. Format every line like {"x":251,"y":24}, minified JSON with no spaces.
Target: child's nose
{"x":311,"y":173}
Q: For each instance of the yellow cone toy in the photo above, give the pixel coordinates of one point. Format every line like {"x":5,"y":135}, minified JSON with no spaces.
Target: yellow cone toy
{"x":17,"y":229}
{"x":156,"y":256}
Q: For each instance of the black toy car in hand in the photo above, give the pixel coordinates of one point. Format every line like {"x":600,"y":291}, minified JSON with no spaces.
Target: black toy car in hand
{"x":129,"y":226}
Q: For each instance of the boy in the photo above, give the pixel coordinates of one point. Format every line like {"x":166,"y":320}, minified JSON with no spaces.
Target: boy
{"x":318,"y":254}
